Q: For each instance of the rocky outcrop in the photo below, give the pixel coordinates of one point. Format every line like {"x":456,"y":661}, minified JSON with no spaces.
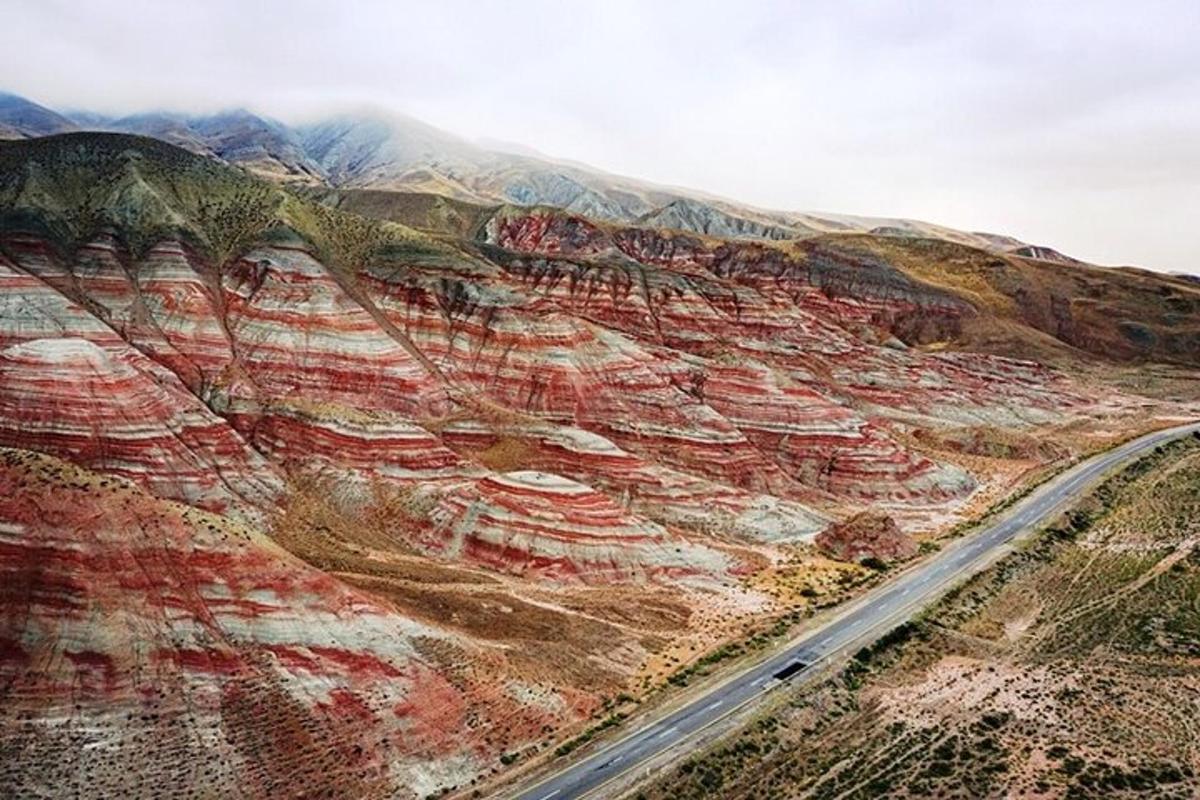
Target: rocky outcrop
{"x":867,"y":536}
{"x":991,"y":442}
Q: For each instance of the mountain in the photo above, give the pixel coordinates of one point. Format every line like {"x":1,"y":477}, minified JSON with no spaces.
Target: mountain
{"x":173,"y":128}
{"x":691,"y":215}
{"x":258,"y":144}
{"x":23,"y":119}
{"x":375,"y":149}
{"x":264,"y":146}
{"x":357,"y":492}
{"x":1044,"y":254}
{"x":392,"y":152}
{"x":398,"y":153}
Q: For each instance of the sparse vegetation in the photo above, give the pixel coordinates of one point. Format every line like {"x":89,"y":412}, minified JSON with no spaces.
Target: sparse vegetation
{"x":511,"y":647}
{"x":571,"y":745}
{"x":145,"y":191}
{"x":1067,"y":669}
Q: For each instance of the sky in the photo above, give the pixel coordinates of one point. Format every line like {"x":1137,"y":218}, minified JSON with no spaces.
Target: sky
{"x":1074,"y":125}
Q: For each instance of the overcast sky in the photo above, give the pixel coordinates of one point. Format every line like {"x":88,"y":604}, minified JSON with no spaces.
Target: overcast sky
{"x":1075,"y":125}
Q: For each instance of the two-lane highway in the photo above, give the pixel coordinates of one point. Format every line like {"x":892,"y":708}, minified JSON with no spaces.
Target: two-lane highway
{"x":869,"y":617}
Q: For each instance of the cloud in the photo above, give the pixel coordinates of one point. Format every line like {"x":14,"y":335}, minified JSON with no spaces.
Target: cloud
{"x":1076,"y":126}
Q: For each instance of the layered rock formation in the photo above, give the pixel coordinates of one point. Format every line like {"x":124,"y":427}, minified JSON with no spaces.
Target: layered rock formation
{"x":867,"y":536}
{"x":554,"y":435}
{"x":542,"y":524}
{"x":757,"y":372}
{"x":119,"y":412}
{"x":224,"y":665}
{"x":299,"y":334}
{"x":666,"y":495}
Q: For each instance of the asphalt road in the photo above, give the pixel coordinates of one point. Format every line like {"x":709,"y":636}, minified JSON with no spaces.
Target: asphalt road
{"x":871,"y":616}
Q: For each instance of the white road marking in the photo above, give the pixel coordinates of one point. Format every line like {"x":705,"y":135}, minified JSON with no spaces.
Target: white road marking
{"x":713,"y":704}
{"x":548,"y":796}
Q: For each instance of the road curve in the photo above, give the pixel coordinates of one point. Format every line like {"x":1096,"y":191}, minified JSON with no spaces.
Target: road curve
{"x":869,"y":617}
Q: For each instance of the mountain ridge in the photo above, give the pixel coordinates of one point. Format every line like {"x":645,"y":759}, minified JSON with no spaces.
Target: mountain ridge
{"x":237,"y":206}
{"x":388,"y":151}
{"x":373,"y":492}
